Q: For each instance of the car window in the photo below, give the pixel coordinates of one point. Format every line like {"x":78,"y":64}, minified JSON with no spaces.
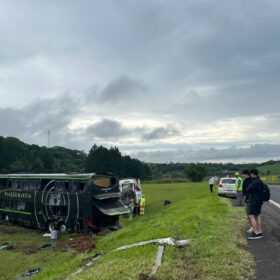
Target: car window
{"x":228,"y":181}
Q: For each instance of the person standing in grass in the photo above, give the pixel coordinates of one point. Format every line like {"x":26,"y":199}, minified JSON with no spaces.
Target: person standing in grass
{"x":255,"y":193}
{"x":211,"y":183}
{"x":131,"y":209}
{"x":238,"y":188}
{"x":246,"y":183}
{"x":142,"y":205}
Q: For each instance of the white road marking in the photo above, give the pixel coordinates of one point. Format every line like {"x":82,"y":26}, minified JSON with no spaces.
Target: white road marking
{"x":274,"y":203}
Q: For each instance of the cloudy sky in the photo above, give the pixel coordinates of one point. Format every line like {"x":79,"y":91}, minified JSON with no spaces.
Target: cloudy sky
{"x":163,"y":80}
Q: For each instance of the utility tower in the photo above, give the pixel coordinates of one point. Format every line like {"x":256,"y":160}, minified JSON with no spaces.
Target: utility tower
{"x":49,"y":138}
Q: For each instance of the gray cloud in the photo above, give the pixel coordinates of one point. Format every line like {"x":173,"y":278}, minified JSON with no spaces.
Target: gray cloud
{"x":160,"y":133}
{"x":121,"y":89}
{"x":123,"y":72}
{"x":107,"y":129}
{"x":259,"y":152}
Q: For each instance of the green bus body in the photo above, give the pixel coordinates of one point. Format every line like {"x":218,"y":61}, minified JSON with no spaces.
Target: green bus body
{"x":73,"y":202}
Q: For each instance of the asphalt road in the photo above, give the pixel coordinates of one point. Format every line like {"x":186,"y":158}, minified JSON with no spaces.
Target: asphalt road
{"x":266,"y":251}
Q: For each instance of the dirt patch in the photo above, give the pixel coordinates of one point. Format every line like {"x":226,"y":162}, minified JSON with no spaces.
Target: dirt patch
{"x":81,"y":244}
{"x":143,"y":276}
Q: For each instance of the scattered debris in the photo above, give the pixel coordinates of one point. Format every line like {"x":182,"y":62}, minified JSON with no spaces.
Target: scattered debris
{"x":31,"y":272}
{"x":48,"y":246}
{"x":143,"y":276}
{"x":167,"y":202}
{"x":162,"y":241}
{"x":89,"y":263}
{"x":55,"y":234}
{"x":84,"y":244}
{"x":6,"y":246}
{"x":65,"y":248}
{"x":157,"y":263}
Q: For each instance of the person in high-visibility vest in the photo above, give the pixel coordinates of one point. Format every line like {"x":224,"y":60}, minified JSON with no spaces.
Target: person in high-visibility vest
{"x":239,"y":188}
{"x":142,"y":205}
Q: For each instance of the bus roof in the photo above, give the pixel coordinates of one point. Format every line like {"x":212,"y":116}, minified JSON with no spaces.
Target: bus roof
{"x":65,"y":176}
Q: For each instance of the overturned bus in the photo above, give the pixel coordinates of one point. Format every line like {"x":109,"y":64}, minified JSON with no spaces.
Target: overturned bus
{"x":67,"y":202}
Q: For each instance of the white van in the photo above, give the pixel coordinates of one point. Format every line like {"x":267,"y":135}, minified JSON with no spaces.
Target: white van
{"x":130,"y":188}
{"x":227,"y":186}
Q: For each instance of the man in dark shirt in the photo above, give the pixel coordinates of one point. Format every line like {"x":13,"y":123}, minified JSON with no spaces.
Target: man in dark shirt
{"x":246,"y":182}
{"x":254,"y":193}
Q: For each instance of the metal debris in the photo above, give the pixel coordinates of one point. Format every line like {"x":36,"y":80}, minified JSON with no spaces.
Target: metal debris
{"x":5,"y":246}
{"x":162,"y":241}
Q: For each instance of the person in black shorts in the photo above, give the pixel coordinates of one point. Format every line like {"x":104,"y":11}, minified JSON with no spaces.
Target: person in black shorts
{"x":254,"y":192}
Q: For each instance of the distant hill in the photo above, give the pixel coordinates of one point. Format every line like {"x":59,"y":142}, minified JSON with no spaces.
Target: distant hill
{"x":270,"y":168}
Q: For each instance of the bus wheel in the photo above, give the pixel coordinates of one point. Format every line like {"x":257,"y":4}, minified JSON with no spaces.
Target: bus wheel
{"x":62,"y":228}
{"x":51,"y":226}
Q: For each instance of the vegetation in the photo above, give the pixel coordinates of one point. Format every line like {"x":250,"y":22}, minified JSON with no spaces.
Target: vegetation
{"x":214,"y":227}
{"x":196,"y":172}
{"x":270,"y":168}
{"x":17,"y":156}
{"x":101,"y":159}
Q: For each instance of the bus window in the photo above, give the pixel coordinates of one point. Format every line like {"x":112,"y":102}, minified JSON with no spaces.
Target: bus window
{"x":20,"y":205}
{"x":76,"y":186}
{"x":15,"y":184}
{"x":33,"y":185}
{"x":102,"y":182}
{"x":60,"y":186}
{"x":9,"y":184}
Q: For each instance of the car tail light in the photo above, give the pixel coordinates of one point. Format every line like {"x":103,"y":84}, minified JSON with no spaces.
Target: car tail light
{"x":220,"y":185}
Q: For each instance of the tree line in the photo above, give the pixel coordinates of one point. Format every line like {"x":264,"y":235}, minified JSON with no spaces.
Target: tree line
{"x":19,"y":157}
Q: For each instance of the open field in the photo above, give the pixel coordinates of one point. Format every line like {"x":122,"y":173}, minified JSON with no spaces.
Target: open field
{"x":273,"y":168}
{"x":218,"y":247}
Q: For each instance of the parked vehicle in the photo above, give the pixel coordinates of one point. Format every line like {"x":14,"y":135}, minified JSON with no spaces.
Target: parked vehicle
{"x":131,"y":189}
{"x":226,"y":187}
{"x":72,"y":202}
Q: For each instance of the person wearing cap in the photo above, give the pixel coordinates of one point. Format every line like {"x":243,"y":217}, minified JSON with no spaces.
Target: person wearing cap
{"x":131,"y":209}
{"x":246,"y":183}
{"x":238,"y":187}
{"x":142,"y":205}
{"x":255,"y":191}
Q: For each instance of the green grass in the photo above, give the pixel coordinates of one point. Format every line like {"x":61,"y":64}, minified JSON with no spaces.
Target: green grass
{"x":218,"y":247}
{"x":273,"y":168}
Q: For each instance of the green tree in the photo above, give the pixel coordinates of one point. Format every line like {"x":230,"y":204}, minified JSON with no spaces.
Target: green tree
{"x":196,"y":172}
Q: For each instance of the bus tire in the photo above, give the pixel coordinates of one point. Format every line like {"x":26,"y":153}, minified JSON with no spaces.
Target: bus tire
{"x":51,"y":226}
{"x":62,"y":227}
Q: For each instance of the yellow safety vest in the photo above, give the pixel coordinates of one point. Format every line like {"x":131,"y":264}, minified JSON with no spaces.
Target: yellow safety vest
{"x":238,"y":184}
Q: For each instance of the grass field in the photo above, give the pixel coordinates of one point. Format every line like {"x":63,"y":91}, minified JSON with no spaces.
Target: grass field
{"x":273,"y":168}
{"x":218,"y":247}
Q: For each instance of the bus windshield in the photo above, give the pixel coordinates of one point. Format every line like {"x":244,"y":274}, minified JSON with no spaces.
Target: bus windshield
{"x":102,"y":182}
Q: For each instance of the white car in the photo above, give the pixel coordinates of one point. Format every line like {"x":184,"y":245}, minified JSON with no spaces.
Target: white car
{"x":227,"y":187}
